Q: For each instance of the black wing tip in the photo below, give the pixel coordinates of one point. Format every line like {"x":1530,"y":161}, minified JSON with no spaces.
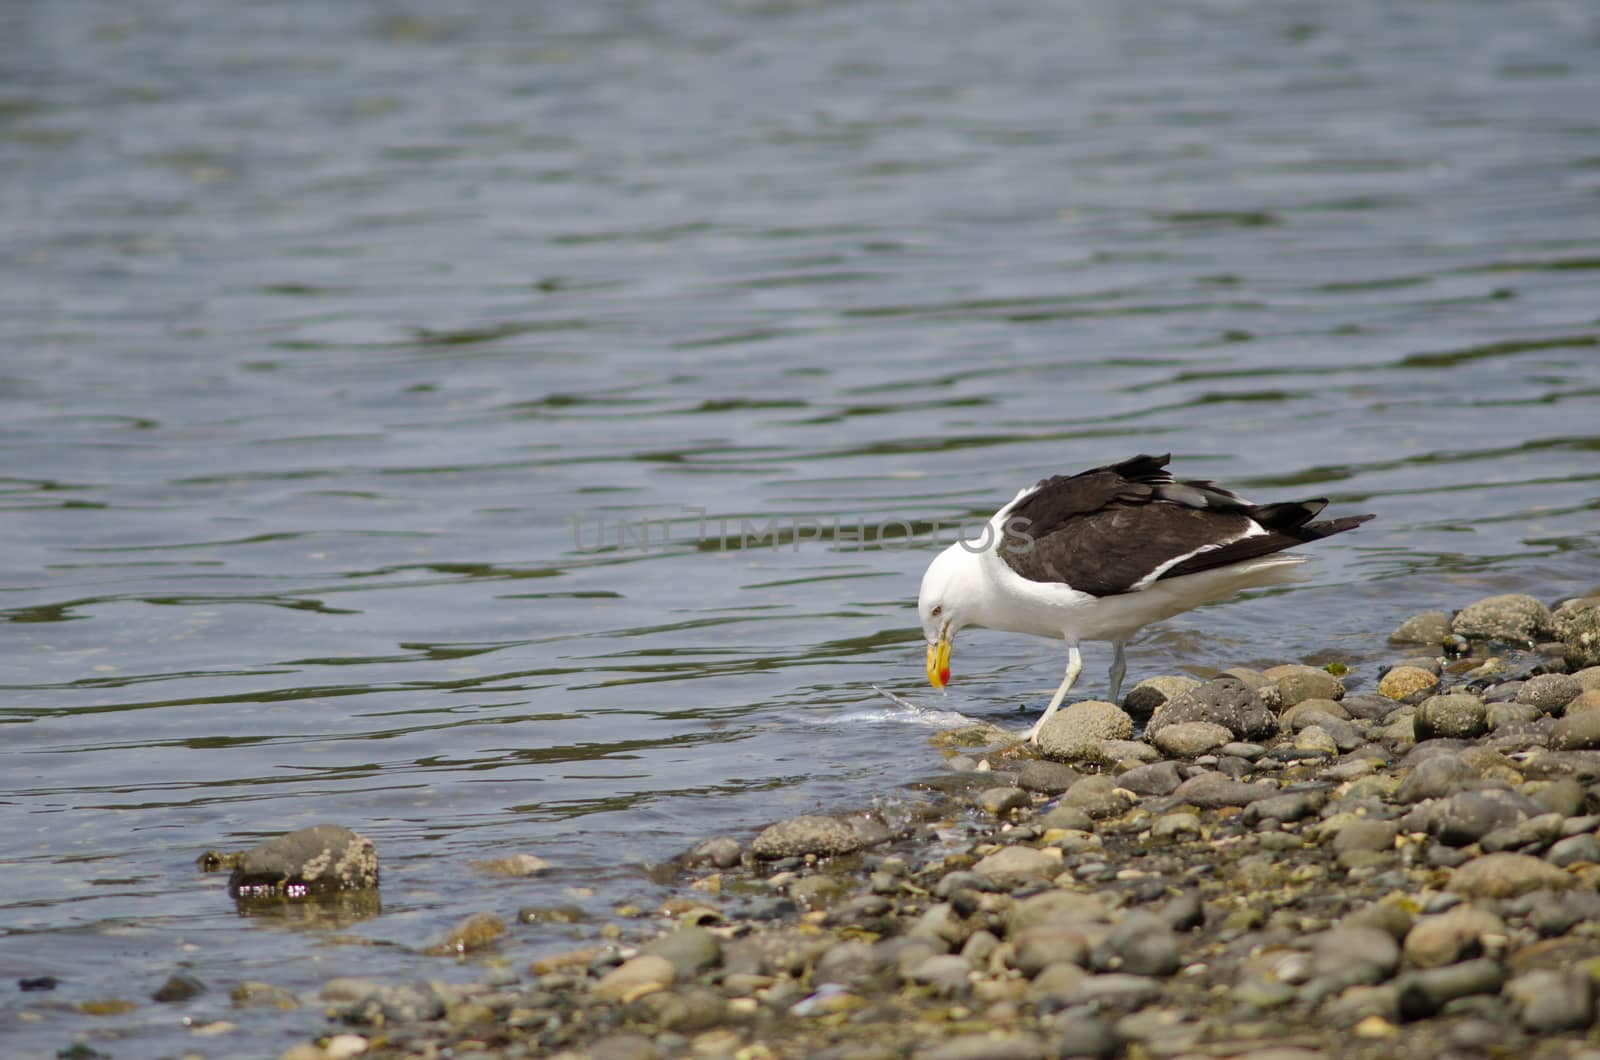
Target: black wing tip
{"x":1329,"y":527}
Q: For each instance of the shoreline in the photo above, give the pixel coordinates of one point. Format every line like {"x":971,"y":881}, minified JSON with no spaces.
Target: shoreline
{"x":1275,"y":868}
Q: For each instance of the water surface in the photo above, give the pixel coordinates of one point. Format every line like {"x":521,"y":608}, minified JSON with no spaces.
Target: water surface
{"x":345,"y":350}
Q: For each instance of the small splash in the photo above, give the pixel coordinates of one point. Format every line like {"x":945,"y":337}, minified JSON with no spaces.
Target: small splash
{"x":907,"y":712}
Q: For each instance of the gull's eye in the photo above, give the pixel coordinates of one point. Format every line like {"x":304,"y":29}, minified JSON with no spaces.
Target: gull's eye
{"x":937,"y":610}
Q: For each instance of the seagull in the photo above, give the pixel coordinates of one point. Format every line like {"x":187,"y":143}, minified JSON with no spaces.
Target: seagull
{"x":1101,"y":554}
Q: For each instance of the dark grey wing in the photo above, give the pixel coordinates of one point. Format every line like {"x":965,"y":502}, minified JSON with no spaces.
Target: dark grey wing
{"x":1121,"y":547}
{"x":1114,"y":529}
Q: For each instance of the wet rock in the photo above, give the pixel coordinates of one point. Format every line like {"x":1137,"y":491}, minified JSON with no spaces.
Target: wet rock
{"x":1365,"y":833}
{"x":550,"y":914}
{"x":1001,"y":801}
{"x":1143,"y":699}
{"x":1063,"y":909}
{"x":179,"y":987}
{"x":1311,"y":712}
{"x":1081,"y":1036}
{"x":722,"y":852}
{"x":468,"y":934}
{"x":809,"y":834}
{"x":685,"y":1010}
{"x":1587,"y":700}
{"x":1550,"y":1001}
{"x":1157,"y":778}
{"x":946,"y":973}
{"x":1066,"y":817}
{"x":1512,"y":618}
{"x":1317,"y":739}
{"x":1175,"y":826}
{"x":1574,"y":849}
{"x":1576,"y":732}
{"x":322,"y":859}
{"x":1098,"y":796}
{"x":1403,"y":682}
{"x":404,"y":1003}
{"x":1349,"y":955}
{"x":1191,"y":738}
{"x":1224,"y":701}
{"x":849,"y":963}
{"x":1424,"y":993}
{"x":1460,"y":933}
{"x":1078,"y":729}
{"x":1038,"y":948}
{"x":1435,"y":778}
{"x":633,"y":979}
{"x":1142,"y":944}
{"x":1468,"y":816}
{"x":1506,"y":875}
{"x":1211,"y":789}
{"x":512,"y":866}
{"x":1580,"y":635}
{"x":1288,"y":807}
{"x":1296,"y":683}
{"x":1051,"y":778}
{"x":1549,"y":692}
{"x":1056,"y":986}
{"x":1019,"y":862}
{"x":1452,"y":716}
{"x":690,"y":948}
{"x":1429,"y":628}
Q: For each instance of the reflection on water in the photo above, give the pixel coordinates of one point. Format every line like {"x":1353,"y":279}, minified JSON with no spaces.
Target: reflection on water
{"x":343,"y":350}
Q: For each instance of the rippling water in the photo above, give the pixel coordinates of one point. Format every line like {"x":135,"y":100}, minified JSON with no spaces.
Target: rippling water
{"x":347,"y":352}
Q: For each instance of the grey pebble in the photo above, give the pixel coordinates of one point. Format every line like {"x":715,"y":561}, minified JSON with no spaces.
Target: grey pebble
{"x":1425,"y":992}
{"x":947,"y":973}
{"x":1181,"y":825}
{"x":722,"y":851}
{"x":1549,"y":692}
{"x":1576,"y":732}
{"x":179,"y":986}
{"x":1573,"y":849}
{"x":1142,"y":944}
{"x":1051,"y":778}
{"x":1429,"y":628}
{"x":1190,"y":738}
{"x":1212,"y":790}
{"x":690,"y":948}
{"x":1435,"y":778}
{"x":1368,"y":706}
{"x":1157,"y":778}
{"x":1000,"y":801}
{"x":1364,"y":833}
{"x":1453,"y":715}
{"x":1097,"y":796}
{"x":1548,"y":1000}
{"x":1288,"y":807}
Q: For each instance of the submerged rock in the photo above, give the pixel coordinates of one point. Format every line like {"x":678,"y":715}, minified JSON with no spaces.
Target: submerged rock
{"x":322,"y":859}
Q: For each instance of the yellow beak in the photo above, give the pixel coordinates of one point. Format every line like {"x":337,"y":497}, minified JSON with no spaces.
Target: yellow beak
{"x":939,"y":662}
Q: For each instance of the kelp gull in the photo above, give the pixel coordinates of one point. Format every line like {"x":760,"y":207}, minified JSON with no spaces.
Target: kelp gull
{"x":1101,"y":554}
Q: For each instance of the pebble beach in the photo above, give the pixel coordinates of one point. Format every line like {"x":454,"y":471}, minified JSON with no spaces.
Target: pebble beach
{"x":1293,"y":862}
